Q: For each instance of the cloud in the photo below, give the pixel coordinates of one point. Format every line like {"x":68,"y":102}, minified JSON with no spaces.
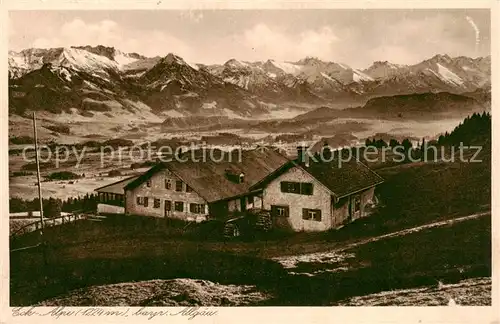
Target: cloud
{"x":109,"y":33}
{"x":476,"y":30}
{"x":409,"y":41}
{"x":265,"y":42}
{"x":356,"y":39}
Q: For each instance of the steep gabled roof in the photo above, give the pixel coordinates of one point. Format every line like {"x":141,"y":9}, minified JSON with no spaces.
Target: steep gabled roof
{"x":345,"y":178}
{"x":117,"y":187}
{"x":209,"y":178}
{"x":341,"y":179}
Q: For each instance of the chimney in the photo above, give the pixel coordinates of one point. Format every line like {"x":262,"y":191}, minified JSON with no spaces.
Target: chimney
{"x":234,"y":177}
{"x":302,"y":157}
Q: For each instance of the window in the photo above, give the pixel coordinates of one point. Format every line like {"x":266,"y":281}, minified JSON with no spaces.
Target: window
{"x":280,"y":211}
{"x":197,"y":208}
{"x":156,"y":203}
{"x":145,"y":201}
{"x":168,"y":184}
{"x":311,"y":214}
{"x":189,"y":189}
{"x":139,"y":201}
{"x":357,"y":203}
{"x":179,"y":206}
{"x":168,"y":205}
{"x":148,"y":183}
{"x":306,"y":188}
{"x":290,"y":187}
{"x":178,"y":185}
{"x":303,"y":188}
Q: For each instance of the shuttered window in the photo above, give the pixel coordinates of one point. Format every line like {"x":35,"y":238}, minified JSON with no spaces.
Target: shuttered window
{"x":303,"y":188}
{"x":306,"y":188}
{"x":197,"y":208}
{"x":356,"y":203}
{"x":179,"y":206}
{"x":311,"y":214}
{"x":280,"y":211}
{"x":168,"y":184}
{"x":168,"y":205}
{"x":156,"y":203}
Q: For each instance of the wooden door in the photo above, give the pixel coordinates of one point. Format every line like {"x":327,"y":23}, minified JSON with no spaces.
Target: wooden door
{"x":168,"y":208}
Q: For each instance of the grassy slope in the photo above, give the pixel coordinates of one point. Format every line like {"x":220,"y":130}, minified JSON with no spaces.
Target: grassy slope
{"x":415,"y":260}
{"x":448,"y":254}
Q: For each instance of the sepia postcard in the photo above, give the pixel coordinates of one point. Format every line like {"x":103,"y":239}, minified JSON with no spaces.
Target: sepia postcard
{"x":219,"y":161}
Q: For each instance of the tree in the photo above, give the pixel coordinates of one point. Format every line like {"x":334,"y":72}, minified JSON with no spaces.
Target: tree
{"x":380,"y":143}
{"x":406,"y":144}
{"x":441,"y":140}
{"x":393,"y":142}
{"x":327,"y":152}
{"x":52,"y":208}
{"x":17,"y":205}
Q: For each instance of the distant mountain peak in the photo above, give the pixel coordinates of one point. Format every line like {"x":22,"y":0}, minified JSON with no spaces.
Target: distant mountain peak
{"x":235,"y":63}
{"x":441,"y":58}
{"x":173,"y":83}
{"x":310,"y":60}
{"x":382,"y":63}
{"x":106,"y":51}
{"x":173,"y":59}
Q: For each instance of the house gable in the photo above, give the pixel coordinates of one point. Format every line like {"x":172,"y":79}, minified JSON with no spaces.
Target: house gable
{"x":164,"y":194}
{"x":348,"y":178}
{"x":296,"y":203}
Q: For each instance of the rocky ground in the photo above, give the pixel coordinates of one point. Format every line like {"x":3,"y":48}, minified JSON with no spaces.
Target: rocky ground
{"x":470,"y":292}
{"x":176,"y":292}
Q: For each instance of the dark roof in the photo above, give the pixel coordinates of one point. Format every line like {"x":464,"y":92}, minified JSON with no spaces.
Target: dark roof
{"x":341,"y":179}
{"x":209,"y":178}
{"x":117,"y":187}
{"x":344,"y":178}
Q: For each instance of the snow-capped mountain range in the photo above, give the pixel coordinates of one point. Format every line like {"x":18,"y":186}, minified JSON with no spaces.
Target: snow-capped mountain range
{"x":90,"y":78}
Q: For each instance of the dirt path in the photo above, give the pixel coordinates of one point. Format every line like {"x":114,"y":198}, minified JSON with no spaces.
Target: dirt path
{"x":338,"y":254}
{"x":414,"y":230}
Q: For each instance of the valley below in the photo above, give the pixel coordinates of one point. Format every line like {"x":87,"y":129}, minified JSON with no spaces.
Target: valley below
{"x":145,"y":141}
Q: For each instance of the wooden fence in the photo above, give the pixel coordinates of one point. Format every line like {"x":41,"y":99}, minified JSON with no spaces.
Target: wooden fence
{"x":47,"y":222}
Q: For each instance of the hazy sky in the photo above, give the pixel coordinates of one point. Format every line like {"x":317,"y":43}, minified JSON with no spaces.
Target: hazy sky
{"x":355,"y":37}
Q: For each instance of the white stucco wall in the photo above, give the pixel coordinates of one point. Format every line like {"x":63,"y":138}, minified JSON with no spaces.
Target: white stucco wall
{"x":110,"y":209}
{"x":320,"y":199}
{"x":158,"y":190}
